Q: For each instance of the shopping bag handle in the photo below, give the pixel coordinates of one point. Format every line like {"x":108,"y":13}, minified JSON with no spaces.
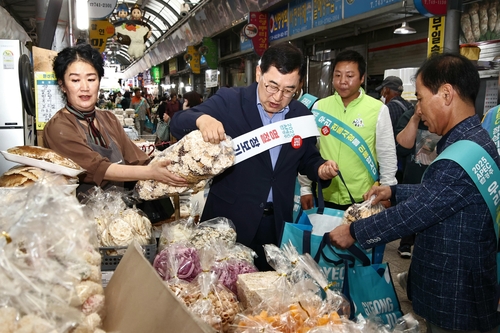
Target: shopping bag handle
{"x":321,"y":199}
{"x":355,"y":252}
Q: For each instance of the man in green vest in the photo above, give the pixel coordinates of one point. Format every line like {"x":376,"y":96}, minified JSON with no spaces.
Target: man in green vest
{"x":356,"y":131}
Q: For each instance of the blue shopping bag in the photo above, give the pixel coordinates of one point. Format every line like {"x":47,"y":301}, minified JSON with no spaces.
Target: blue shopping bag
{"x":331,"y":260}
{"x":370,"y":290}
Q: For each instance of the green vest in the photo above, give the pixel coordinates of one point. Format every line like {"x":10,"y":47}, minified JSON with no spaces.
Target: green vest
{"x":362,"y":116}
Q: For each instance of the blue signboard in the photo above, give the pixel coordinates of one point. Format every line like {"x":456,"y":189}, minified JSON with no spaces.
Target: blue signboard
{"x":299,"y":16}
{"x":356,"y":7}
{"x":327,"y":11}
{"x":278,"y":23}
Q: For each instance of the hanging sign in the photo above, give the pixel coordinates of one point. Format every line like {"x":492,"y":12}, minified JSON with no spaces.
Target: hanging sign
{"x":256,"y":30}
{"x":209,"y":51}
{"x":99,"y":32}
{"x":194,"y":59}
{"x":101,"y":8}
{"x":211,"y":78}
{"x":172,"y":66}
{"x":155,"y":74}
{"x":435,"y":41}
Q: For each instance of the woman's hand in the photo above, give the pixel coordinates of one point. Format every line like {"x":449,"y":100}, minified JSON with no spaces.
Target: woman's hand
{"x":211,"y":129}
{"x":165,"y":117}
{"x":160,"y":173}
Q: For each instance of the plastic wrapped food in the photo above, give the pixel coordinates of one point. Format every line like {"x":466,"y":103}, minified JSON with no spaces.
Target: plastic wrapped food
{"x":193,"y":159}
{"x":179,"y":231}
{"x":188,"y":262}
{"x":362,"y":210}
{"x":217,"y":228}
{"x":117,"y":225}
{"x":226,"y":267}
{"x":49,"y":268}
{"x":209,"y":300}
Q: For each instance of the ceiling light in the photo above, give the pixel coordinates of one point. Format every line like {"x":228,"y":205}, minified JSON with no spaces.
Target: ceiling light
{"x":82,"y":14}
{"x":405,"y":29}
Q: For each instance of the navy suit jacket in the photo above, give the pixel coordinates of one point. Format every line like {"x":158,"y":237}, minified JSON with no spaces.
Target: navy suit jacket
{"x":241,"y":192}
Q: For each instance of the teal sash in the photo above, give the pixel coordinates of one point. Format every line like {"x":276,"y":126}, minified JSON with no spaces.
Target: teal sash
{"x":348,"y":136}
{"x":344,"y":133}
{"x":491,"y":122}
{"x":484,"y":172}
{"x":308,"y":100}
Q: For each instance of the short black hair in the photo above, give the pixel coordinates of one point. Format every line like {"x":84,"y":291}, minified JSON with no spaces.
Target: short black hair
{"x":81,"y":52}
{"x":351,"y":56}
{"x":285,"y":57}
{"x":454,"y":69}
{"x":193,"y":98}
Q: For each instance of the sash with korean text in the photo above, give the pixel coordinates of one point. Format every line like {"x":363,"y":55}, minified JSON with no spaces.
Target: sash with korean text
{"x":491,"y":123}
{"x":288,"y":131}
{"x":483,"y":170}
{"x":308,"y":100}
{"x":343,"y":132}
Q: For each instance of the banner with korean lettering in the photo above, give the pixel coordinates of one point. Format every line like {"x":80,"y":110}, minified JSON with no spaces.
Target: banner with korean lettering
{"x":99,"y":32}
{"x":326,"y":12}
{"x":289,"y":131}
{"x":256,"y":30}
{"x":435,"y":41}
{"x":172,"y":66}
{"x":278,"y":23}
{"x":194,"y":59}
{"x":356,"y":7}
{"x":299,"y":16}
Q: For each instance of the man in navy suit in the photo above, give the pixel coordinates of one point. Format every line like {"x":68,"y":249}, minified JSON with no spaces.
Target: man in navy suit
{"x":257,"y":193}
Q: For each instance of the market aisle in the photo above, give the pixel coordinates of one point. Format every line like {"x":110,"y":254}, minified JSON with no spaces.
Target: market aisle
{"x":398,"y":265}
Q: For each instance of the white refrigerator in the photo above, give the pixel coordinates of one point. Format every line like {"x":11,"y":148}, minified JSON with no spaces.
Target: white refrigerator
{"x":17,"y":121}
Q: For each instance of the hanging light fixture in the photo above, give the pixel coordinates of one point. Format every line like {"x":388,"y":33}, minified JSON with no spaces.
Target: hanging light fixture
{"x":405,"y":28}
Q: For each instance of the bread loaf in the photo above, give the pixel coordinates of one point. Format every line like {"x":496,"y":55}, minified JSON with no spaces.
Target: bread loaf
{"x":21,"y":176}
{"x":44,"y":154}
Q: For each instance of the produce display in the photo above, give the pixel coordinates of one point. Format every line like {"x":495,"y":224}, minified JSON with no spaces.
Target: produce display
{"x":193,"y":159}
{"x":50,"y":269}
{"x":116,"y":224}
{"x":480,"y":21}
{"x":50,"y":278}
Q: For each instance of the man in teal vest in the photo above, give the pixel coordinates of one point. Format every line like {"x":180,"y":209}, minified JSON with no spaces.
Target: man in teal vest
{"x":356,"y":131}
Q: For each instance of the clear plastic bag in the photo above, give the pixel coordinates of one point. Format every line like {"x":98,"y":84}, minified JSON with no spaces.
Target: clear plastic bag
{"x":117,"y":224}
{"x":217,"y":228}
{"x":361,"y":210}
{"x":49,"y":266}
{"x":209,"y":300}
{"x":193,"y":159}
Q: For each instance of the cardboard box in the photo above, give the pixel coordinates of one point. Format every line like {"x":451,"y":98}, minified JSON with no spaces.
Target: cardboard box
{"x":138,"y":300}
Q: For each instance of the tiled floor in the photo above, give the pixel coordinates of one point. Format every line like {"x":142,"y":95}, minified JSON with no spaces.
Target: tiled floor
{"x":398,"y":265}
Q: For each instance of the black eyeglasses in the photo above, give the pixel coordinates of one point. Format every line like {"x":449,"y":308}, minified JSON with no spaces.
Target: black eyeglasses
{"x":274,"y":90}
